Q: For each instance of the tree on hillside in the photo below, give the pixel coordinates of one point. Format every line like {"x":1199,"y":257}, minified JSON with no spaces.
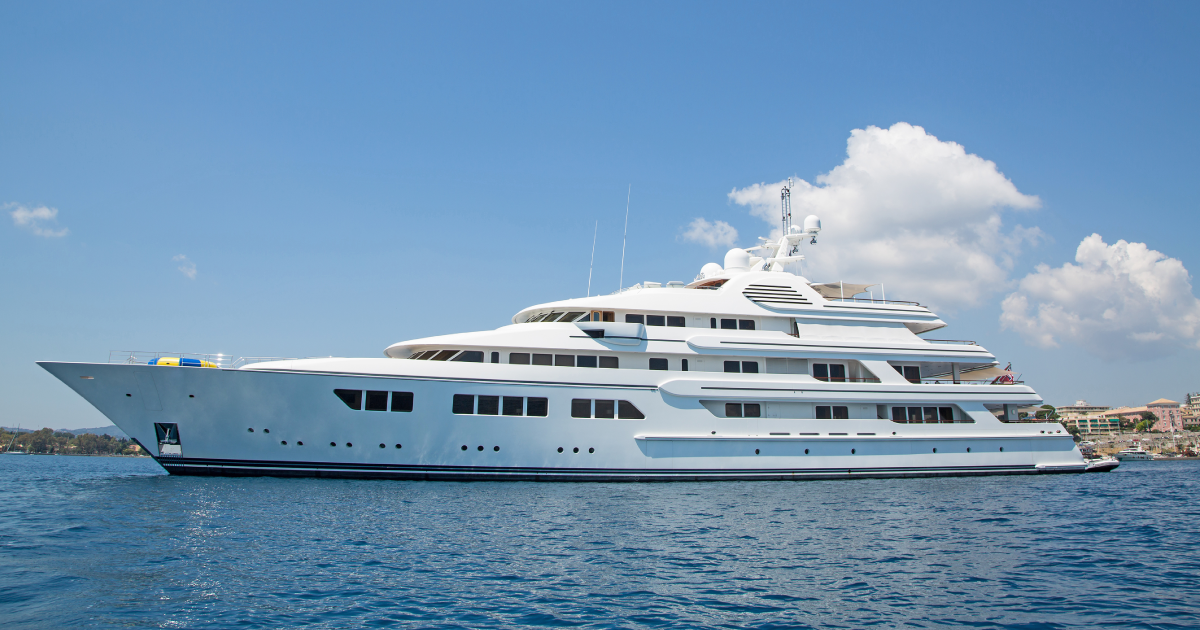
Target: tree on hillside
{"x":1047,"y":412}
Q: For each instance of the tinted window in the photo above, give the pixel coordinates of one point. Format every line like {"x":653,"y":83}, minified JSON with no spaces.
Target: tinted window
{"x":752,"y":410}
{"x":658,"y":364}
{"x":473,"y":356}
{"x":930,"y":416}
{"x":841,"y":413}
{"x":729,"y":324}
{"x":536,"y":407}
{"x":606,"y":408}
{"x":402,"y":401}
{"x":683,"y":363}
{"x":733,"y":410}
{"x":912,"y":373}
{"x":489,"y":405}
{"x":553,"y":317}
{"x":543,"y":359}
{"x":570,"y":317}
{"x":581,"y":408}
{"x":352,"y":397}
{"x":900,"y":414}
{"x":677,"y":322}
{"x":746,"y":324}
{"x":656,"y":320}
{"x":837,"y":372}
{"x":609,"y":362}
{"x":914,"y":415}
{"x":626,"y":411}
{"x":585,"y":362}
{"x":712,"y":322}
{"x":946,"y":414}
{"x":824,"y":412}
{"x":749,"y":367}
{"x":464,"y":403}
{"x":821,"y":371}
{"x":564,"y":360}
{"x":733,"y":366}
{"x":495,"y":357}
{"x":514,"y":406}
{"x":595,"y":334}
{"x":519,"y":358}
{"x":443,"y":355}
{"x":630,"y":318}
{"x":377,"y":401}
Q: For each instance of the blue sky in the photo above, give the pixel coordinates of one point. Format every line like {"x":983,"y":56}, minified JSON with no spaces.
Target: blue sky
{"x":345,"y":177}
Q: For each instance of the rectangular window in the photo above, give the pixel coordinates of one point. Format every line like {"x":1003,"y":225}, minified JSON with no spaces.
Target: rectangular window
{"x":841,"y":413}
{"x":472,"y":356}
{"x":582,"y":361}
{"x":402,"y":401}
{"x":595,"y":334}
{"x":820,"y":371}
{"x":609,"y":362}
{"x":733,"y":410}
{"x":570,"y":317}
{"x":835,"y":372}
{"x":749,"y":367}
{"x":514,"y":406}
{"x":946,"y":414}
{"x":564,"y":360}
{"x":581,"y":408}
{"x":833,"y":412}
{"x":824,"y":412}
{"x":733,"y":367}
{"x":728,"y":324}
{"x":518,"y":358}
{"x":553,"y":317}
{"x":684,"y":364}
{"x":444,"y":355}
{"x":677,"y":322}
{"x":752,"y":410}
{"x":464,"y":404}
{"x":712,"y":322}
{"x":352,"y":398}
{"x":900,"y":415}
{"x":536,"y":407}
{"x":606,"y":408}
{"x":543,"y":359}
{"x":658,"y":364}
{"x":489,"y":406}
{"x":914,"y":415}
{"x":656,"y":320}
{"x":626,"y":411}
{"x":495,"y":357}
{"x":377,"y":401}
{"x":424,"y":354}
{"x":931,"y":415}
{"x":603,"y":316}
{"x":630,"y":318}
{"x":746,"y":324}
{"x":912,"y":373}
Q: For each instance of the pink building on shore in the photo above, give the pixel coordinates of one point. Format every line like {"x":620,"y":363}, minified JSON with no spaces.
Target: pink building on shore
{"x":1170,"y":416}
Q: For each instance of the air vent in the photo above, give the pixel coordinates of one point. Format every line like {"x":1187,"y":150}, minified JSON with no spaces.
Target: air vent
{"x":775,"y":296}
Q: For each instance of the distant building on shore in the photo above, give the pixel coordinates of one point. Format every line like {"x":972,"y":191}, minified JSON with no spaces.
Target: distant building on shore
{"x":1191,"y":409}
{"x":1168,"y":412}
{"x":1086,"y":417}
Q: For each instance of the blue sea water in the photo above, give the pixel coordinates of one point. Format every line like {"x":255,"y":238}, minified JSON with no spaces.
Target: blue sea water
{"x":115,"y":542}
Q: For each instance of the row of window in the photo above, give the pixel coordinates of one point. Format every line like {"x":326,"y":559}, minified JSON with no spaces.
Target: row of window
{"x":563,"y":360}
{"x":376,"y":400}
{"x":676,"y":321}
{"x":922,"y":415}
{"x":605,"y":409}
{"x":742,"y":367}
{"x":465,"y":404}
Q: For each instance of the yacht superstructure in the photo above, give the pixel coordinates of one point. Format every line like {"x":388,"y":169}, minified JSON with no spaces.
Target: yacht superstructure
{"x":748,"y":372}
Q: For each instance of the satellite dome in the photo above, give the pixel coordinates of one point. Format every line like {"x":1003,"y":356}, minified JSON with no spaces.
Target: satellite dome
{"x":710,"y":270}
{"x":812,"y":224}
{"x":737,"y":260}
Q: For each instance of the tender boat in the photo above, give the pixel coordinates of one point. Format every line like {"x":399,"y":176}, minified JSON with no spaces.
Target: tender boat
{"x":748,"y":372}
{"x":1135,"y":453}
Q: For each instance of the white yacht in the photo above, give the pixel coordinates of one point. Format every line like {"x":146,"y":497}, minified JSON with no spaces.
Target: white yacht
{"x":1135,"y":453}
{"x":748,"y":372}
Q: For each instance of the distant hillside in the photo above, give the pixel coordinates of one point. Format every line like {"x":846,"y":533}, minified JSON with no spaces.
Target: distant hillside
{"x":108,"y":430}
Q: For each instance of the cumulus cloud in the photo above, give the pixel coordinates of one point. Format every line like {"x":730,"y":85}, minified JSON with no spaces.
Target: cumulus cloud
{"x":1123,"y":300}
{"x":187,"y":268}
{"x":919,"y":214}
{"x":717,"y":233}
{"x":39,"y":220}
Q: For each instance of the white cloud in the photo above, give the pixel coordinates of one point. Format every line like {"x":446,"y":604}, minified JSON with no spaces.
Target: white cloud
{"x":1120,"y":300}
{"x":36,"y":219}
{"x":188,"y":268}
{"x":717,"y":233}
{"x":918,"y":214}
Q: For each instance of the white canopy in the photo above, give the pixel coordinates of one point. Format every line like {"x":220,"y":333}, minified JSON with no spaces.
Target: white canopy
{"x":840,"y":289}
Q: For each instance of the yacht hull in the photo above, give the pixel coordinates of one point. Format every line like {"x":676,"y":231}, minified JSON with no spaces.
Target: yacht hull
{"x":289,"y":423}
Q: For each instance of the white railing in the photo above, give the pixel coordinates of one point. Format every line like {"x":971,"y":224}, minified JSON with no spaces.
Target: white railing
{"x":244,"y":361}
{"x":144,"y":356}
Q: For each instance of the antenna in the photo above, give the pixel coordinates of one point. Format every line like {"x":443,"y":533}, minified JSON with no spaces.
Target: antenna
{"x":785,"y":198}
{"x":623,"y":236}
{"x":593,"y":263}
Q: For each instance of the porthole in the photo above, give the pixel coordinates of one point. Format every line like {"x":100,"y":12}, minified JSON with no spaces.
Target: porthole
{"x":266,"y":430}
{"x":575,"y":450}
{"x":129,"y":395}
{"x":283,"y":442}
{"x":591,"y":450}
{"x":968,"y":449}
{"x":935,"y":450}
{"x":1001,"y":449}
{"x":756,"y":451}
{"x":298,"y":443}
{"x":348,"y":445}
{"x":250,"y":430}
{"x":480,"y":448}
{"x":191,"y":395}
{"x":397,"y":446}
{"x":333,"y":443}
{"x":806,"y":451}
{"x":464,"y":447}
{"x":560,"y":449}
{"x":496,"y":448}
{"x":852,"y":451}
{"x":382,"y":445}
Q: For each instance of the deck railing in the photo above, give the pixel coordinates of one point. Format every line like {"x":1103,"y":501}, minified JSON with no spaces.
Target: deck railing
{"x":871,"y":301}
{"x":146,"y":356}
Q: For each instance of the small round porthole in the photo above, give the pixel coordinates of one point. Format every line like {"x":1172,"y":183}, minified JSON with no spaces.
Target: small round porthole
{"x":756,"y":451}
{"x":806,"y":451}
{"x":480,"y":449}
{"x":464,"y":447}
{"x":968,"y":449}
{"x":935,"y":450}
{"x":250,"y":430}
{"x":333,"y":443}
{"x":129,"y":395}
{"x":1001,"y":449}
{"x":382,"y":445}
{"x":397,"y":446}
{"x":591,"y":450}
{"x":191,"y":395}
{"x":299,"y":443}
{"x":575,"y":450}
{"x":496,"y":449}
{"x":283,"y":442}
{"x":348,"y":445}
{"x":560,"y":449}
{"x":266,"y":430}
{"x":852,"y":451}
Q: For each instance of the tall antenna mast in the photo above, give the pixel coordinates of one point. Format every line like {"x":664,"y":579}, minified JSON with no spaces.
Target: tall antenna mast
{"x":627,"y":194}
{"x":785,"y":198}
{"x":593,"y":263}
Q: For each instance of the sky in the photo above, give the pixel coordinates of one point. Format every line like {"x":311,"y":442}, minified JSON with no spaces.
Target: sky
{"x":311,"y":179}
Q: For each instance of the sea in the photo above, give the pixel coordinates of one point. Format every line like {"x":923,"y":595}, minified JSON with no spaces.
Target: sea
{"x":105,"y":542}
